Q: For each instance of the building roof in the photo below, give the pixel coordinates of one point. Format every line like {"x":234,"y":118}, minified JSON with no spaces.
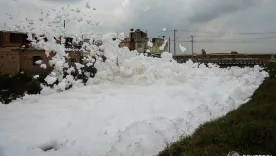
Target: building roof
{"x":16,"y":32}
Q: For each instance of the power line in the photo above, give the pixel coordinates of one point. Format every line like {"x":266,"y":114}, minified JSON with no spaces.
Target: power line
{"x":192,"y":41}
{"x":235,"y":33}
{"x":169,"y":44}
{"x":221,"y":33}
{"x":217,"y":41}
{"x":235,"y":39}
{"x":260,"y":38}
{"x":232,"y":42}
{"x":242,"y":39}
{"x":174,"y":42}
{"x":184,"y":37}
{"x":239,"y":40}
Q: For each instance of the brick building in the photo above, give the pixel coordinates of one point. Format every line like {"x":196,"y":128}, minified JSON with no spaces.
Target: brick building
{"x":9,"y":61}
{"x":17,"y":55}
{"x":125,"y":42}
{"x":13,"y":39}
{"x":157,"y":43}
{"x":138,"y":40}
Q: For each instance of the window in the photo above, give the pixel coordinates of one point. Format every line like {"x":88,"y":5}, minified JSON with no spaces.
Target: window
{"x":16,"y":38}
{"x":25,"y":39}
{"x":36,"y":58}
{"x":26,"y":43}
{"x":132,"y":35}
{"x":68,"y":41}
{"x":139,"y":45}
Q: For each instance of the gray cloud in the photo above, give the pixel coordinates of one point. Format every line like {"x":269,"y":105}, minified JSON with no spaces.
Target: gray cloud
{"x":205,"y":11}
{"x":62,"y":1}
{"x":182,"y":13}
{"x":154,"y":15}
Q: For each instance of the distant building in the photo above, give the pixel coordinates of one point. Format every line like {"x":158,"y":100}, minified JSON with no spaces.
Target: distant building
{"x":157,"y":44}
{"x":125,"y":42}
{"x":17,"y":54}
{"x":13,"y":39}
{"x":138,"y":40}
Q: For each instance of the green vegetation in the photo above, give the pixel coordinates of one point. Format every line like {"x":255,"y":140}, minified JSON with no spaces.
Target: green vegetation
{"x":13,"y":87}
{"x":249,"y":130}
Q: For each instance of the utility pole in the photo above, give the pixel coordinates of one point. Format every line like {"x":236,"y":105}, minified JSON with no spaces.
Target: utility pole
{"x":174,"y":42}
{"x":192,"y":41}
{"x":169,"y":44}
{"x":64,"y":24}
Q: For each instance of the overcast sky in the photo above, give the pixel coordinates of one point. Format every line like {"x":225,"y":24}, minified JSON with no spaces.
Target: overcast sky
{"x":215,"y":24}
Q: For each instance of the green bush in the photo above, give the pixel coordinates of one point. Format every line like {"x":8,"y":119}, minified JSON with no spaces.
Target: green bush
{"x":13,"y":87}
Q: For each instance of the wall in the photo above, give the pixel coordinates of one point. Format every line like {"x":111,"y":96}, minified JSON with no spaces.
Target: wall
{"x":6,"y":40}
{"x":141,"y":46}
{"x":9,"y":61}
{"x":1,"y":39}
{"x":74,"y":55}
{"x":125,"y":43}
{"x":17,"y":59}
{"x":157,"y":43}
{"x":26,"y":61}
{"x":138,"y":41}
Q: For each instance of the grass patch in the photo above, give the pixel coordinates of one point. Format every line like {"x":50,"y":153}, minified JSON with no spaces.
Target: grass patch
{"x":249,"y":130}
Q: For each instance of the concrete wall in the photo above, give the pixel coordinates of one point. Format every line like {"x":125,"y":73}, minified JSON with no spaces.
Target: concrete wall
{"x":9,"y":62}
